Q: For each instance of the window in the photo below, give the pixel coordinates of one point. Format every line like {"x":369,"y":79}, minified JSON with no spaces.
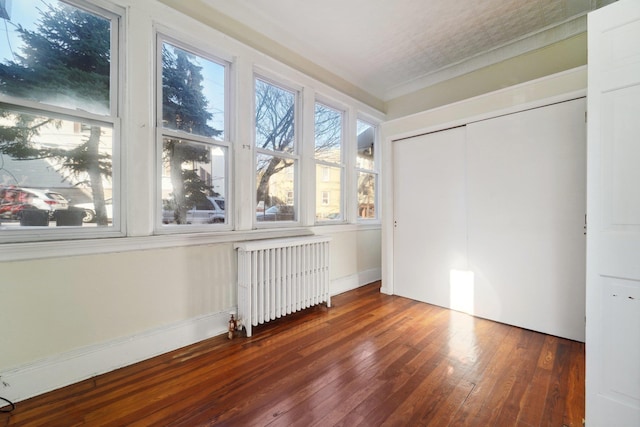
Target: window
{"x":193,"y":147}
{"x":326,"y":173}
{"x":58,"y":115}
{"x":276,"y":151}
{"x":329,"y":166}
{"x":325,"y":198}
{"x":367,"y":177}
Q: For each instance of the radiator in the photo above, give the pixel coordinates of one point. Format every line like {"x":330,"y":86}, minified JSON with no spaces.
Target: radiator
{"x":277,"y":277}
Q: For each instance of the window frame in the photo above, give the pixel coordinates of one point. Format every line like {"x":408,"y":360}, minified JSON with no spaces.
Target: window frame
{"x":161,"y":36}
{"x":113,"y":120}
{"x":342,"y":165}
{"x":295,"y":155}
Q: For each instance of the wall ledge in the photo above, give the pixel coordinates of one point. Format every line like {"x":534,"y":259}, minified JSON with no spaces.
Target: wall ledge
{"x":65,"y":248}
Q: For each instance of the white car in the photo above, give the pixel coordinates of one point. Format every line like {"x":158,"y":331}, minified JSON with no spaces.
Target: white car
{"x":90,"y":210}
{"x":207,"y":211}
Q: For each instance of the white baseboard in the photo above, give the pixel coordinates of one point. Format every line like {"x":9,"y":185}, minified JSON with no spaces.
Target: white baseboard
{"x":354,"y":281}
{"x":71,"y":367}
{"x":385,"y":290}
{"x":77,"y":365}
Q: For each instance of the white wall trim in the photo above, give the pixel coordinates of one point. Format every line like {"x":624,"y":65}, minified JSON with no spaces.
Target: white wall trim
{"x":354,"y":281}
{"x":74,"y":366}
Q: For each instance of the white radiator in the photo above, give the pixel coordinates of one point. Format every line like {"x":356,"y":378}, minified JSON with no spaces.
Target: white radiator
{"x":277,"y":277}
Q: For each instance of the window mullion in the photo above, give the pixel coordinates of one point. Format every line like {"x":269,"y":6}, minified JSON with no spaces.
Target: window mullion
{"x":195,"y":138}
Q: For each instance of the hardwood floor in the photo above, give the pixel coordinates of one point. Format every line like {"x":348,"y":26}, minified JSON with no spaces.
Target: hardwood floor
{"x":370,"y":360}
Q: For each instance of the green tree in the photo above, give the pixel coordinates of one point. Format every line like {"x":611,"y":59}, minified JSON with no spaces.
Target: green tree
{"x":185,"y":109}
{"x":65,"y":61}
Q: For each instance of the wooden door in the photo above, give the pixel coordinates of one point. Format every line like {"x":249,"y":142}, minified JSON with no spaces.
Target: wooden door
{"x":613,"y":231}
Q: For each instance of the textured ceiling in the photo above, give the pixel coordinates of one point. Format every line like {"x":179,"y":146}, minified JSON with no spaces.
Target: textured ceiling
{"x":392,"y":47}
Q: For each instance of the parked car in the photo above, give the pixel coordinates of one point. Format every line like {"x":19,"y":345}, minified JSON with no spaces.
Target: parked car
{"x":14,"y":200}
{"x":90,"y":210}
{"x":208,"y":211}
{"x":276,"y":213}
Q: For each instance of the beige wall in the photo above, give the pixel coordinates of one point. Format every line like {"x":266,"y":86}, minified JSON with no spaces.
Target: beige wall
{"x":60,"y":304}
{"x":56,"y":305}
{"x":353,"y":252}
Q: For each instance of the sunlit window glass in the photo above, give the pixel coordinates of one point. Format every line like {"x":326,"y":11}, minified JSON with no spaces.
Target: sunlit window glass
{"x":366,"y":195}
{"x":366,"y":145}
{"x":366,"y":171}
{"x":193,"y":183}
{"x":329,"y":167}
{"x":275,"y":189}
{"x":275,"y":117}
{"x":328,"y":134}
{"x":276,"y":157}
{"x":56,"y":54}
{"x":194,"y":159}
{"x":59,"y":167}
{"x":192,"y":93}
{"x":57,"y":117}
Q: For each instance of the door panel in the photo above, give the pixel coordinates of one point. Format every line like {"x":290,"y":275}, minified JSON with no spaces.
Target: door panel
{"x":613,"y":234}
{"x":527,"y":189}
{"x":430,"y":219}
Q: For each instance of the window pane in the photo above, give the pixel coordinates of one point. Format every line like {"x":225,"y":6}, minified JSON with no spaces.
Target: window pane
{"x":275,"y":188}
{"x":328,"y":193}
{"x":366,"y":143}
{"x":56,"y":54}
{"x":193,"y":97}
{"x":328,"y":125}
{"x":366,"y":195}
{"x":193,"y":183}
{"x":275,"y":117}
{"x":59,"y":168}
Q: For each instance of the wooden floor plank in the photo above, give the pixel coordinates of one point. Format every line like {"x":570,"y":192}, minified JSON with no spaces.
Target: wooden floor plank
{"x":371,"y":359}
{"x":575,"y":403}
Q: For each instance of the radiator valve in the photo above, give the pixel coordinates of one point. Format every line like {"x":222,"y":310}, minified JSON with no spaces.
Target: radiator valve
{"x":233,"y":324}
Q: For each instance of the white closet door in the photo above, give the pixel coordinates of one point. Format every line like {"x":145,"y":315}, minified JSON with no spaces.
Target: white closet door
{"x":489,"y":219}
{"x":429,"y":213}
{"x":613,"y":232}
{"x":526,"y":207}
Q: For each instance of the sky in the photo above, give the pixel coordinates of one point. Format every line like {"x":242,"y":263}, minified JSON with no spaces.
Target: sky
{"x":22,"y":12}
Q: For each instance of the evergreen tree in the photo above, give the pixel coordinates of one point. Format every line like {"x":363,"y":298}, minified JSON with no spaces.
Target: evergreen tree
{"x":184,"y":109}
{"x":64,"y":61}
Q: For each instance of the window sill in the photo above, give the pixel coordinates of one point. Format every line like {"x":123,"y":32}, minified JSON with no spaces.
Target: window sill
{"x":67,"y":248}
